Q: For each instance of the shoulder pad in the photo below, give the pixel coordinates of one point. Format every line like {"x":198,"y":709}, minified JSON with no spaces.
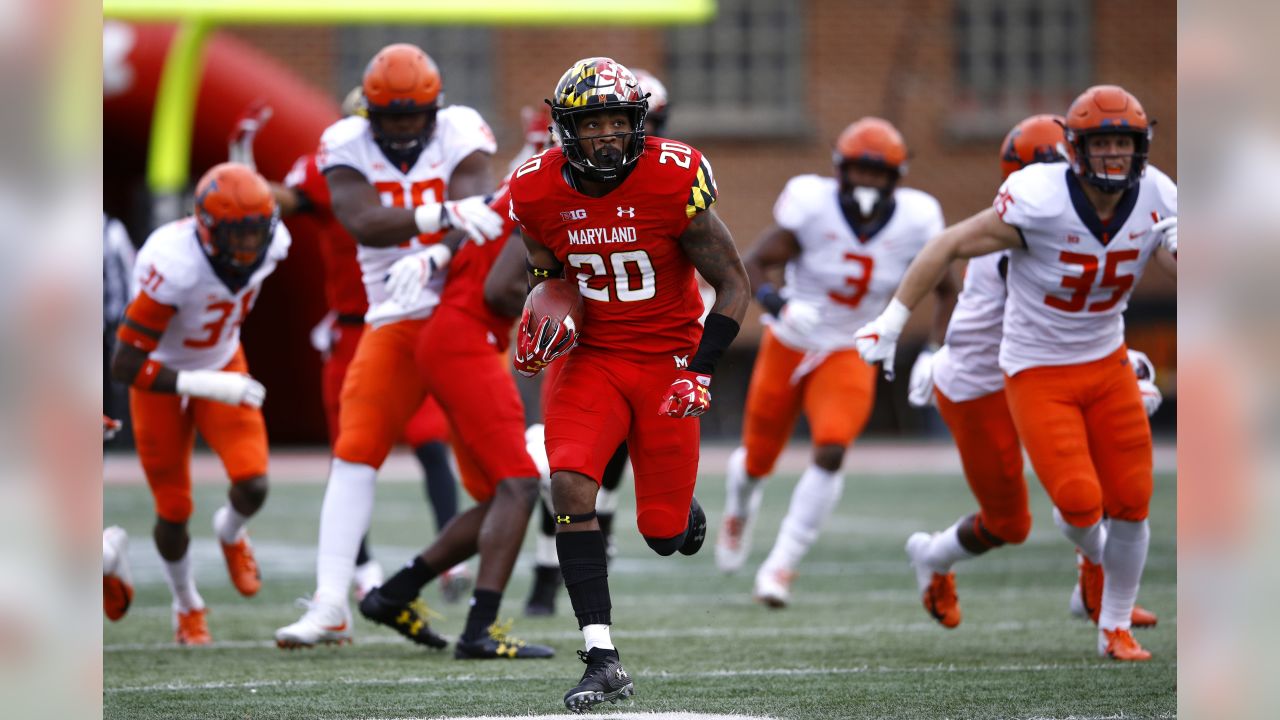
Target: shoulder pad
{"x":1038,"y":191}
{"x":174,"y":252}
{"x":800,"y":198}
{"x":1166,"y":188}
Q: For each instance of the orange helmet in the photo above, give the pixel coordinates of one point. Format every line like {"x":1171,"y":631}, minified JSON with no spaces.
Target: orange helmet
{"x":875,"y":142}
{"x":236,"y":217}
{"x":401,"y":80}
{"x":1107,"y":110}
{"x":1039,"y":138}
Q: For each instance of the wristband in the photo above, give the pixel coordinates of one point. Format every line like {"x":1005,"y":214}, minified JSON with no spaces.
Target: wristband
{"x":718,"y":332}
{"x":429,"y":217}
{"x":769,"y":298}
{"x":542,"y":273}
{"x":147,"y":374}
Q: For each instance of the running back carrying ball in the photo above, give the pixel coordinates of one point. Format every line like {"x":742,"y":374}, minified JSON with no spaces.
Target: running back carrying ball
{"x":551,"y":324}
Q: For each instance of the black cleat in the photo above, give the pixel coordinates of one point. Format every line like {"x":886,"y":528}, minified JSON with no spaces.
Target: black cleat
{"x":547,"y":582}
{"x":500,"y":645}
{"x":410,"y":620}
{"x":697,"y":529}
{"x":604,"y":680}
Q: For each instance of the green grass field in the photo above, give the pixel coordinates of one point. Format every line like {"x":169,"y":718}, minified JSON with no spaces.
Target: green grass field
{"x":855,"y":644}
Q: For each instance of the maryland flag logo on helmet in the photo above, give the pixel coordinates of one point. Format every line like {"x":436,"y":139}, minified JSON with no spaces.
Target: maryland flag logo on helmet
{"x":597,"y":81}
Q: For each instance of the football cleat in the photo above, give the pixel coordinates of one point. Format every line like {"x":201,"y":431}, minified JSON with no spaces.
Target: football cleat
{"x":696,"y":532}
{"x":241,"y":566}
{"x":937,"y":590}
{"x":117,"y":580}
{"x":410,"y":620}
{"x":1119,"y":644}
{"x":733,"y":543}
{"x":500,"y":644}
{"x":1140,"y":618}
{"x":456,"y":583}
{"x":190,"y":628}
{"x":773,"y":587}
{"x":321,"y":624}
{"x":604,"y":680}
{"x":368,"y":576}
{"x":1091,"y":579}
{"x":547,"y":582}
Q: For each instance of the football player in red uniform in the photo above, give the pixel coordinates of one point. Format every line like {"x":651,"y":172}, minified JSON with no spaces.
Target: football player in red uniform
{"x":629,"y":217}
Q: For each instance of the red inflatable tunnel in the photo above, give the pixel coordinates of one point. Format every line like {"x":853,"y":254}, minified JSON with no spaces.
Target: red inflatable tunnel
{"x":276,"y":337}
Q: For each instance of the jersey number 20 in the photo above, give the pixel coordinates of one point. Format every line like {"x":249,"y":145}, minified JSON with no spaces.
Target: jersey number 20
{"x":632,"y":275}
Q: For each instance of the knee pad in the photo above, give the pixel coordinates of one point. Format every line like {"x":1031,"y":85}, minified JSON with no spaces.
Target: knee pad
{"x":658,"y":523}
{"x":360,"y":448}
{"x":829,"y":457}
{"x":173,"y":504}
{"x":1079,"y":501}
{"x":665,"y":546}
{"x":1009,"y":530}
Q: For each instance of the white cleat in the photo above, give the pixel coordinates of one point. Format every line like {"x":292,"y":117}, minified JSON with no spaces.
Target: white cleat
{"x":117,"y":580}
{"x":368,"y":576}
{"x":773,"y":587}
{"x":456,"y":583}
{"x":917,"y":548}
{"x":320,"y":625}
{"x":733,"y":542}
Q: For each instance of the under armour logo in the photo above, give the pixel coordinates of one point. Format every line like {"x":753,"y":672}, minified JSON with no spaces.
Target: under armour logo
{"x":682,"y":361}
{"x":628,"y":212}
{"x":562,"y":519}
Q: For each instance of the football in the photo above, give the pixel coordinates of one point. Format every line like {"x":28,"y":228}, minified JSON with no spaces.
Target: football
{"x":556,"y":299}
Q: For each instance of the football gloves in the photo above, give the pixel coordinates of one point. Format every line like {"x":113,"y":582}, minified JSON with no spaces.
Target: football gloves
{"x":1167,"y":229}
{"x":800,"y":317}
{"x":1146,"y":373}
{"x":689,"y":396}
{"x":920,"y":387}
{"x":240,"y":144}
{"x":410,"y":274}
{"x":471,"y":215}
{"x":877,"y":341}
{"x":231,"y":388}
{"x":537,"y":346}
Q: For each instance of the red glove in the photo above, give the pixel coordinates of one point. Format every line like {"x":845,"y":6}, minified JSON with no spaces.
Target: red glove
{"x":537,"y":347}
{"x":689,"y":395}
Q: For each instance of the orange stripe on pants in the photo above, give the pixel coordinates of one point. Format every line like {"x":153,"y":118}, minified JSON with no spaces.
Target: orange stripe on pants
{"x":836,"y":397}
{"x":1087,"y":434}
{"x":164,"y":428}
{"x":381,"y":392}
{"x":987,"y":439}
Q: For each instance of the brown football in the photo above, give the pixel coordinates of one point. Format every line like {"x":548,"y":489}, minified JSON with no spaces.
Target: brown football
{"x":556,"y":299}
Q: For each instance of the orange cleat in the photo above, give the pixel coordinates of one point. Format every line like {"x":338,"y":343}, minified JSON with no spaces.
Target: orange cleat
{"x":191,"y":628}
{"x":1091,"y":579}
{"x":242,"y":567}
{"x":117,"y":580}
{"x":1142,"y":617}
{"x":1119,"y":644}
{"x":940,"y":600}
{"x":116,"y":597}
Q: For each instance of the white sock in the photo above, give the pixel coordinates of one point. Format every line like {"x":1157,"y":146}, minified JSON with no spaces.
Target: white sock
{"x":182,"y":584}
{"x":606,"y":501}
{"x":812,"y":501}
{"x":228,"y":523}
{"x":544,"y":551}
{"x":344,"y":519}
{"x":1122,"y":561}
{"x":945,"y":549}
{"x":1091,"y":540}
{"x":597,"y":636}
{"x":740,"y":486}
{"x":109,"y":558}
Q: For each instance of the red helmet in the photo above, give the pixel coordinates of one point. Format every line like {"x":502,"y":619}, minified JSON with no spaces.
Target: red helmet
{"x":1039,"y":138}
{"x":592,"y":84}
{"x":875,"y":142}
{"x":400,"y":80}
{"x":236,"y":217}
{"x":1107,"y":110}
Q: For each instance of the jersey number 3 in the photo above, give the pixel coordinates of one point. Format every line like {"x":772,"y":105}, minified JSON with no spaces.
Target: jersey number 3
{"x":632,"y":276}
{"x":1081,"y":285}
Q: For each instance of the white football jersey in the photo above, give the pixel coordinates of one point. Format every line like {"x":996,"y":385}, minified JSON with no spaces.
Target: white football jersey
{"x":172,"y":268}
{"x":349,"y":142}
{"x":1070,"y":284}
{"x":849,"y":279}
{"x":967,"y":367}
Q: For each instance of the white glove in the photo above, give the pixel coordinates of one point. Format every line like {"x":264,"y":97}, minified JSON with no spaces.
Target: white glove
{"x":1168,"y":231}
{"x":225,"y":387}
{"x":240,"y":144}
{"x":800,"y":317}
{"x":877,"y":341}
{"x":410,"y":274}
{"x":1146,"y":374}
{"x":471,"y":215}
{"x":920,"y":389}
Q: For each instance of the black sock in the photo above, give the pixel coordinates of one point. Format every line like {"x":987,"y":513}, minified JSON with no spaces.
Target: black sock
{"x":484,"y":612}
{"x":405,"y":585}
{"x":586,"y":576}
{"x":442,"y":487}
{"x":612,"y":476}
{"x":362,"y":555}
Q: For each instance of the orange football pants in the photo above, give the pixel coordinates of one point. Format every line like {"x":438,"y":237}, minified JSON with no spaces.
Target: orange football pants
{"x":1087,"y":434}
{"x":381,"y":392}
{"x":991,"y":455}
{"x":836,"y":397}
{"x":164,"y":430}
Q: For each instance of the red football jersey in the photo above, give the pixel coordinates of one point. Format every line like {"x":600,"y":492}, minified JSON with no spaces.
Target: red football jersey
{"x":343,"y":285}
{"x":464,"y":289}
{"x":623,"y":248}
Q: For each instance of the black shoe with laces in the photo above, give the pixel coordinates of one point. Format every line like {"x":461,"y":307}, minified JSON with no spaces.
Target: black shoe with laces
{"x":499,"y":644}
{"x":697,"y":529}
{"x":547,"y":582}
{"x":408,"y":619}
{"x":604,"y":681}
